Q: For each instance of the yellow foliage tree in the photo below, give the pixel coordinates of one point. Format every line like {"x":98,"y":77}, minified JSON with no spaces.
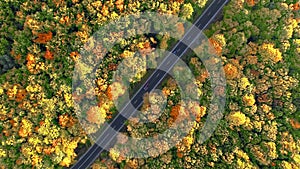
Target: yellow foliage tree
{"x":249,"y":99}
{"x":237,"y":118}
{"x":115,"y":90}
{"x":268,"y":52}
{"x":96,"y":115}
{"x":244,"y":83}
{"x":26,"y":127}
{"x":187,"y":11}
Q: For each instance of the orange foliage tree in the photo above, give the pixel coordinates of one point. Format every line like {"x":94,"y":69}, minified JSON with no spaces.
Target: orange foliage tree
{"x":48,"y":55}
{"x":295,"y":124}
{"x":296,"y":6}
{"x":175,"y":112}
{"x":231,"y":71}
{"x":250,"y":2}
{"x":216,"y":45}
{"x":180,"y":28}
{"x":43,"y":37}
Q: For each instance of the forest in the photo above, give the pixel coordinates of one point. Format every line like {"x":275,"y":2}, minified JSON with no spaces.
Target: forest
{"x":257,"y":43}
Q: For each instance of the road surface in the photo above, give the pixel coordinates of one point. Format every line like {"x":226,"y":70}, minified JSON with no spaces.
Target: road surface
{"x":108,"y":136}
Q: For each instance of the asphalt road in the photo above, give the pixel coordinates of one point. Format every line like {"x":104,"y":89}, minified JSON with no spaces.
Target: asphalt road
{"x":108,"y":136}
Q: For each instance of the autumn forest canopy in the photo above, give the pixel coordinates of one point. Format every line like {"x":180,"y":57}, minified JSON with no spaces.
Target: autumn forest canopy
{"x":257,"y":42}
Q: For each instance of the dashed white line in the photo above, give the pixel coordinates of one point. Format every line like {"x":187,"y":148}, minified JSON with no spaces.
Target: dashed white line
{"x":90,"y":155}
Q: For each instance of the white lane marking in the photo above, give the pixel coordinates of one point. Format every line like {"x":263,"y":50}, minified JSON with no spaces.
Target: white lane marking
{"x":89,"y":155}
{"x":157,"y":75}
{"x":199,"y":25}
